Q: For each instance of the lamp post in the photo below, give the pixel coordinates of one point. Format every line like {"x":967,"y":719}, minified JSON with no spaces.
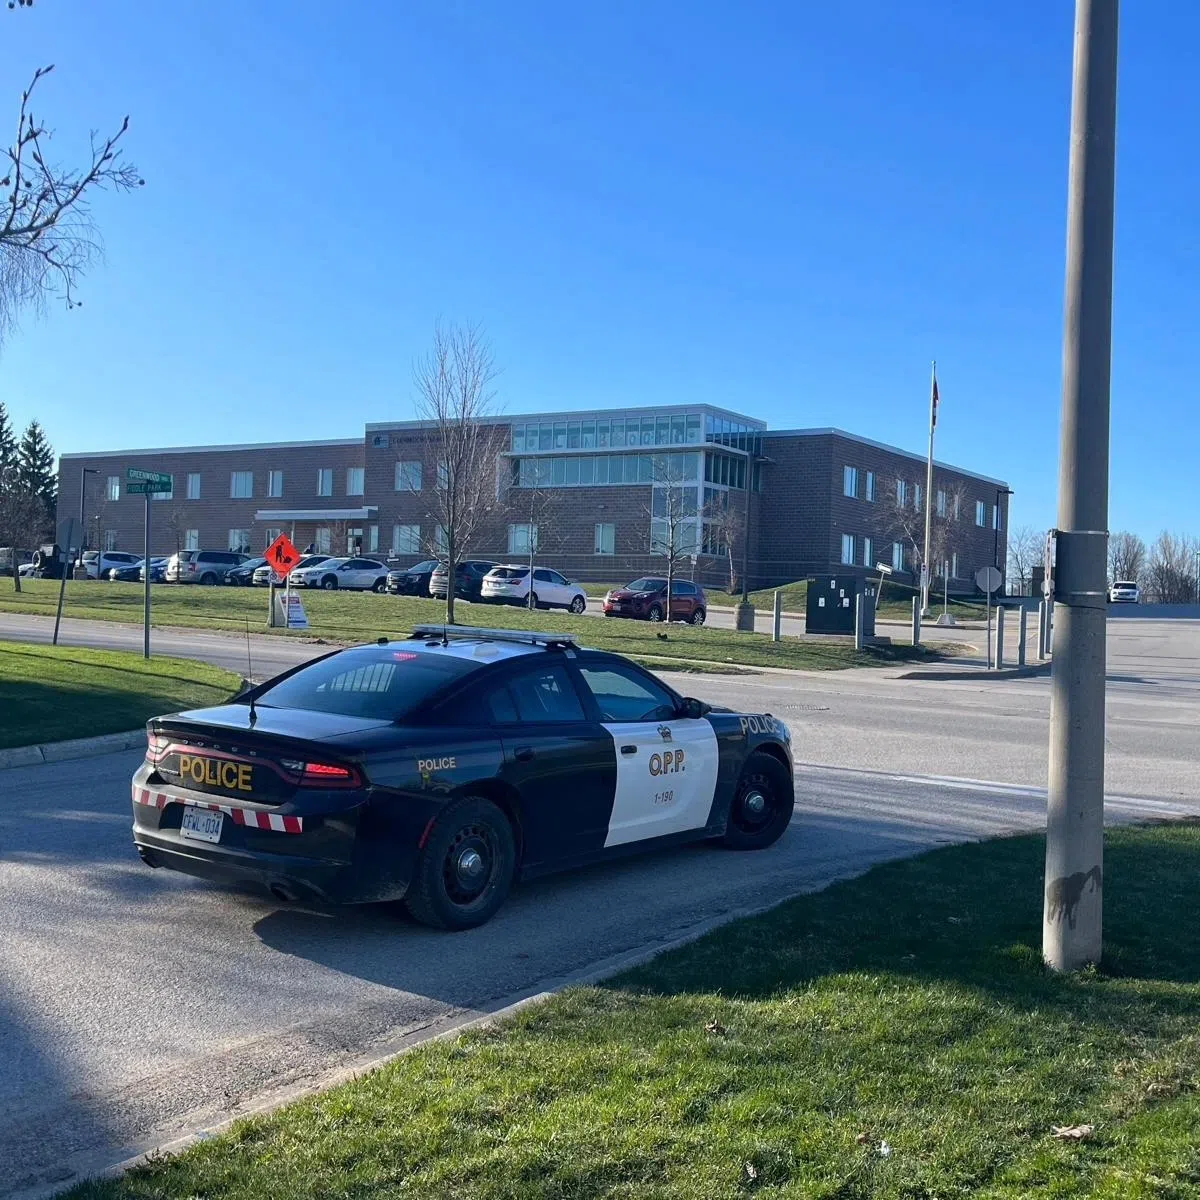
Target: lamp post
{"x":1000,"y":491}
{"x":1198,"y":576}
{"x":84,"y":472}
{"x":744,"y":617}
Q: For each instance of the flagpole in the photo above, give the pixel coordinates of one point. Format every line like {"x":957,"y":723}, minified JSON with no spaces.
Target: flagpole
{"x":926,"y":567}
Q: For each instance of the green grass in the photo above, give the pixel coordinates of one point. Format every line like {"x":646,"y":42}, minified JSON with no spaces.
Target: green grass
{"x":49,"y":693}
{"x":340,"y":616}
{"x":776,"y":1056}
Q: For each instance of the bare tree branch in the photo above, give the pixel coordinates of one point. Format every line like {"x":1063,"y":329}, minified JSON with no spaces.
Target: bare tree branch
{"x":1126,"y":558}
{"x":47,"y":236}
{"x":674,"y":528}
{"x":1026,"y":547}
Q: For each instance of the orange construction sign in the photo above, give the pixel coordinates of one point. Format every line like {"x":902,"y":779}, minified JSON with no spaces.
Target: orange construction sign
{"x":282,"y":555}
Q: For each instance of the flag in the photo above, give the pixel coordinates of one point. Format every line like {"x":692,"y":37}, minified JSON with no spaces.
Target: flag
{"x":933,"y":403}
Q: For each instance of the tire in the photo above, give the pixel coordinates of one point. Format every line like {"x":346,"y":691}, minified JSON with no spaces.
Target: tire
{"x":329,"y":583}
{"x":577,"y":605}
{"x":208,"y":580}
{"x":764,"y":779}
{"x":443,"y":892}
{"x":698,"y":617}
{"x":380,"y":585}
{"x":656,"y":613}
{"x":533,"y":601}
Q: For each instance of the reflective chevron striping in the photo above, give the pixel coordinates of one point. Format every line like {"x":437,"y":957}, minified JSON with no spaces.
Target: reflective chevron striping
{"x":249,"y":817}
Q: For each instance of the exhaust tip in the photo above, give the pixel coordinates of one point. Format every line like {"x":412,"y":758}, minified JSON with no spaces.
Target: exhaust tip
{"x":282,"y":893}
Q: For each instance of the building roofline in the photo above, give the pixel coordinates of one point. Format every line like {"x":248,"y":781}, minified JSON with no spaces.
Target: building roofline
{"x":574,"y":414}
{"x":234,"y":448}
{"x":866,"y":441}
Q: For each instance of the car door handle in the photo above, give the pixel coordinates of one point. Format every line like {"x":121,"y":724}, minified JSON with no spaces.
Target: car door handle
{"x":628,"y":749}
{"x":523,"y":753}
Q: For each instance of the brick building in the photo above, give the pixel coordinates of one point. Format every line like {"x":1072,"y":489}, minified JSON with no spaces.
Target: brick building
{"x":609,"y":492}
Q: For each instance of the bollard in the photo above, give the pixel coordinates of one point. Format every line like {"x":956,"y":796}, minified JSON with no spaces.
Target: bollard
{"x":271,"y":621}
{"x":859,"y":619}
{"x":1022,"y":634}
{"x":916,"y":621}
{"x":777,"y":618}
{"x":1050,"y":629}
{"x":1001,"y":613}
{"x":1041,"y":630}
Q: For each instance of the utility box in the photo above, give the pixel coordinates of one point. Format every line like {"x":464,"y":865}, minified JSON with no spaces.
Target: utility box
{"x":831,"y":604}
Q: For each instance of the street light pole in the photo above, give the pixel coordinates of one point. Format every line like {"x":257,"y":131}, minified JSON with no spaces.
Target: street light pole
{"x":84,"y":472}
{"x":1000,"y":491}
{"x":1072,"y":903}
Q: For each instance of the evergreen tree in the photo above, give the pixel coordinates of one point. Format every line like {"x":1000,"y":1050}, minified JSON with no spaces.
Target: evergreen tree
{"x":35,"y":466}
{"x":8,"y":443}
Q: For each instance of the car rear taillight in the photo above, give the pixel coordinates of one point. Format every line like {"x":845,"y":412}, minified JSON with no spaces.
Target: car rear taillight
{"x":319,"y":774}
{"x":156,"y":748}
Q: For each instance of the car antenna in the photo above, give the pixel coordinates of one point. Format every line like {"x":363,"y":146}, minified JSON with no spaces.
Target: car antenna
{"x":445,"y":635}
{"x":249,"y":660}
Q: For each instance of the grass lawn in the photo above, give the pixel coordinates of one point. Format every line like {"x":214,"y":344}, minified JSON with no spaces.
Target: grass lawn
{"x":342,"y":616}
{"x":49,"y":693}
{"x":895,"y":1036}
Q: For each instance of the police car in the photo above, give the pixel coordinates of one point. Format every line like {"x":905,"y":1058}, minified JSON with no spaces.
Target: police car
{"x":442,"y":768}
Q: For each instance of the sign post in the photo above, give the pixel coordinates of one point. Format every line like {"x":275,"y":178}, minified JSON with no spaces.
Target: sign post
{"x":989,"y":579}
{"x":148,"y":483}
{"x":283,"y":557}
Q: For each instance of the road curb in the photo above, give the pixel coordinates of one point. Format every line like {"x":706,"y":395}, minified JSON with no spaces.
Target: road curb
{"x":970,"y":673}
{"x":54,"y":752}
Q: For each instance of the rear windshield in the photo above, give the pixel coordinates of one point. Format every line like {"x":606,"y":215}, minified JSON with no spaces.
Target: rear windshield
{"x":509,"y":572}
{"x":649,"y":584}
{"x":381,"y":682}
{"x":187,"y":555}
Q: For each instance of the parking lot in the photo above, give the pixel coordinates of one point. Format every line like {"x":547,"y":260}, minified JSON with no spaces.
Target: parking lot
{"x":141,"y":1004}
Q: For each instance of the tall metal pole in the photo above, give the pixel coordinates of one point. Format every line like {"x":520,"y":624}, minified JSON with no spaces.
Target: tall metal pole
{"x":927,"y":566}
{"x":1071,"y":922}
{"x":146,"y":598}
{"x":83,"y":474}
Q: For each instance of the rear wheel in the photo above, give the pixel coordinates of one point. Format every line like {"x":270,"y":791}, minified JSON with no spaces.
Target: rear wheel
{"x":656,"y":613}
{"x":534,"y":602}
{"x":577,"y":605}
{"x":208,"y":579}
{"x":762,"y":805}
{"x":329,"y":583}
{"x":698,"y":617}
{"x":466,"y":868}
{"x":380,"y":585}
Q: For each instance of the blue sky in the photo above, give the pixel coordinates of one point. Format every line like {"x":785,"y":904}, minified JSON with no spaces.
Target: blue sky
{"x":783,"y":208}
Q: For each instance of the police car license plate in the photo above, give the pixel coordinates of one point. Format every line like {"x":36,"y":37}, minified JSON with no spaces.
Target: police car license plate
{"x":201,"y":824}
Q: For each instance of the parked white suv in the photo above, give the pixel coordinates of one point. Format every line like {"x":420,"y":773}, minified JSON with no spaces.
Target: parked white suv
{"x":98,"y":564}
{"x":354,"y":574}
{"x":510,"y":585}
{"x":1124,"y":592}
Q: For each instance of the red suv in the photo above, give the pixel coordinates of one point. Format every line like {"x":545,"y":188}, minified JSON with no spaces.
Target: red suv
{"x":646,"y":599}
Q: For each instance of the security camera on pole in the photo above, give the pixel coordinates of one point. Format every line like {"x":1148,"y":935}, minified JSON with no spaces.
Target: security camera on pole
{"x":926,"y":573}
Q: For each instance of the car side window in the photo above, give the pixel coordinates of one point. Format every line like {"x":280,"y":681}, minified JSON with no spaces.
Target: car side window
{"x":543,"y":576}
{"x":545,"y":693}
{"x":555,"y":577}
{"x":624,"y":694}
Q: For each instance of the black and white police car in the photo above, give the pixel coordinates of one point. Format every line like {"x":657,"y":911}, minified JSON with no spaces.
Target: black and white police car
{"x":441,"y":768}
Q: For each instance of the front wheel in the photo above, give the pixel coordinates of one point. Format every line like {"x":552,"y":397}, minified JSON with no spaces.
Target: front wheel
{"x":656,"y":613}
{"x":762,"y":805}
{"x":329,"y":583}
{"x":534,"y":602}
{"x":698,"y":617}
{"x":577,"y":605}
{"x":466,"y":868}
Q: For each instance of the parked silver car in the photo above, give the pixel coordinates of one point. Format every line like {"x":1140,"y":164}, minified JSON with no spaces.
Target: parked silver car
{"x":355,"y":574}
{"x":262,"y":576}
{"x":202,"y":566}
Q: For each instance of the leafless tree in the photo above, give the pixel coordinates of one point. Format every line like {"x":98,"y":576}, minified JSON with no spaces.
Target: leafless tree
{"x":532,"y":501}
{"x":726,"y":521}
{"x":175,"y":523}
{"x":1126,"y":557}
{"x":47,"y":236}
{"x":672,"y":514}
{"x":1171,"y":571}
{"x":1026,"y":547}
{"x":455,"y":396}
{"x":902,"y":519}
{"x":22,"y":520}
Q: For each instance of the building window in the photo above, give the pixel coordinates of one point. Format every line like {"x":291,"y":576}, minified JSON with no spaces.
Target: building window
{"x":372,"y":539}
{"x":191,"y":539}
{"x":113,"y":490}
{"x":193,"y":485}
{"x":941,"y":502}
{"x":408,"y":477}
{"x":902,"y":493}
{"x":981,"y":514}
{"x":355,"y":481}
{"x":871,"y":486}
{"x":354,"y":541}
{"x":897,"y":556}
{"x":269,"y":535}
{"x":848,"y":549}
{"x":324,"y":540}
{"x":867,"y":553}
{"x":918,"y":496}
{"x":241,"y":484}
{"x":606,"y":538}
{"x":110,"y":539}
{"x":239,"y":541}
{"x":850,"y":482}
{"x":443,"y":477}
{"x":997,"y":521}
{"x":275,"y":483}
{"x":441,"y":541}
{"x":954,"y":566}
{"x":324,"y":484}
{"x":406,"y":539}
{"x":522,"y":539}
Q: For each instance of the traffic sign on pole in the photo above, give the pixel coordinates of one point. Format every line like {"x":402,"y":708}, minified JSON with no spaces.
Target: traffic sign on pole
{"x":282,"y":555}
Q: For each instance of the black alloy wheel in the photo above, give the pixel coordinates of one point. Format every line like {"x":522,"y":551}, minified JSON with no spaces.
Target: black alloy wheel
{"x":762,"y":805}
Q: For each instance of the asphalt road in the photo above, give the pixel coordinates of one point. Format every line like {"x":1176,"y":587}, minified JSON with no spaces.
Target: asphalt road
{"x":137,"y":1005}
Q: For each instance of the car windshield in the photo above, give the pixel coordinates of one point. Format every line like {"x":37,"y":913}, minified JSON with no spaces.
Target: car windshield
{"x":509,"y":572}
{"x":649,"y":584}
{"x":1123,"y":583}
{"x":91,"y":555}
{"x":380,"y":682}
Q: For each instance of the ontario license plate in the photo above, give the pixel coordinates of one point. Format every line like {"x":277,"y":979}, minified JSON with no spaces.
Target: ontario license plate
{"x":201,"y":824}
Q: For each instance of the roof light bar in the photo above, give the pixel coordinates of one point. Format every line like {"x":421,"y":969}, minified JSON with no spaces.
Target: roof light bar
{"x":525,"y":637}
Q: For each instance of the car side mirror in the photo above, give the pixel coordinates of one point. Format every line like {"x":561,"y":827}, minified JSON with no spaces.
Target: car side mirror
{"x":694,"y":709}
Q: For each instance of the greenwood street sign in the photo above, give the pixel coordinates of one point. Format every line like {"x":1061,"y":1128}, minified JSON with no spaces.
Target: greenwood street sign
{"x":147,"y":483}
